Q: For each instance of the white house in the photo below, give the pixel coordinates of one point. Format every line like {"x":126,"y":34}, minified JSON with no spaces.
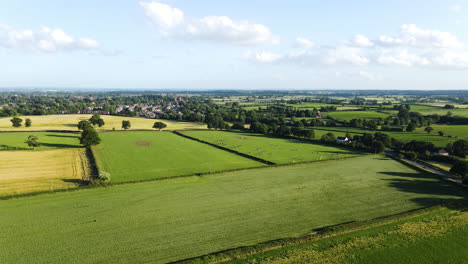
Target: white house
{"x":342,"y":140}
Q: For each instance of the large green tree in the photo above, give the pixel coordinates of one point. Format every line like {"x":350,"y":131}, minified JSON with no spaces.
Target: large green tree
{"x":32,"y":141}
{"x":159,"y":125}
{"x":16,"y":121}
{"x":97,"y":120}
{"x":126,"y":124}
{"x":89,"y":137}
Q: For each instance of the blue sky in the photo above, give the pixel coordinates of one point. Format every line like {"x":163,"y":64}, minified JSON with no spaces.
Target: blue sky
{"x":257,"y":44}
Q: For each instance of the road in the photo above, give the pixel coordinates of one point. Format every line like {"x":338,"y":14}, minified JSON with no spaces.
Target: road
{"x":438,"y":172}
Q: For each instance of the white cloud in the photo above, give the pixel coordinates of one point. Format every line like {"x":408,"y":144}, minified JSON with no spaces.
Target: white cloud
{"x":43,"y":40}
{"x":362,"y":41}
{"x":172,"y":23}
{"x":304,"y":43}
{"x":413,"y":47}
{"x":412,"y":36}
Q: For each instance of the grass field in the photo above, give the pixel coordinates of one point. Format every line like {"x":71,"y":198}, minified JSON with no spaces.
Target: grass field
{"x":349,"y":115}
{"x":48,"y":140}
{"x":34,"y":171}
{"x":136,"y":156}
{"x":69,"y":122}
{"x":436,"y":235}
{"x":449,"y":130}
{"x":463,"y":112}
{"x":277,"y":150}
{"x":437,"y":140}
{"x":169,"y":220}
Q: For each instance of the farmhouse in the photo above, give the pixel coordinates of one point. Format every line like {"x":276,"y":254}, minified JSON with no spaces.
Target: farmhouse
{"x":342,"y":140}
{"x":441,"y":152}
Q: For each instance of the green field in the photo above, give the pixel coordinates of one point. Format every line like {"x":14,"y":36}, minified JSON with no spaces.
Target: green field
{"x":136,"y":156}
{"x":463,"y":112}
{"x":277,"y":150}
{"x":437,"y":140}
{"x":436,"y":235}
{"x":48,"y":140}
{"x":349,"y":115}
{"x":170,"y":220}
{"x":449,"y":130}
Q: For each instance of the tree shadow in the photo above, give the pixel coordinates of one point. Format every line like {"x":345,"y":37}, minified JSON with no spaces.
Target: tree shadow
{"x":79,"y":182}
{"x":63,"y":136}
{"x":54,"y":145}
{"x":421,"y":183}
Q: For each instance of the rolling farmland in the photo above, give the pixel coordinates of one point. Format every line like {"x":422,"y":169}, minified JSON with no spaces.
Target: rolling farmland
{"x":277,"y":150}
{"x":180,"y":218}
{"x":136,"y":156}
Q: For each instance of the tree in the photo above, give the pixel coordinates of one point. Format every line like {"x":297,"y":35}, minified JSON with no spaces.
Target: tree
{"x":328,"y":138}
{"x":32,"y":141}
{"x":379,"y":146}
{"x":96,"y":120}
{"x":126,"y":124}
{"x":411,"y":127}
{"x":16,"y":121}
{"x":89,"y":137}
{"x":460,"y":148}
{"x":83,"y":124}
{"x":441,"y":133}
{"x":460,"y":167}
{"x":159,"y":125}
{"x":28,"y":122}
{"x":428,"y":129}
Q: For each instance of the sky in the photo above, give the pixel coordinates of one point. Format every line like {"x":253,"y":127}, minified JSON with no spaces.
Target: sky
{"x":213,"y":44}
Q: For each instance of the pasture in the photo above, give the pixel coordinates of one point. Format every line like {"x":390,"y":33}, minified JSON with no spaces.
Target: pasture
{"x":69,"y":122}
{"x":36,"y":171}
{"x":437,"y":235}
{"x":170,"y":220}
{"x":135,"y":156}
{"x":48,"y":140}
{"x":277,"y":150}
{"x":460,"y":131}
{"x":349,"y":115}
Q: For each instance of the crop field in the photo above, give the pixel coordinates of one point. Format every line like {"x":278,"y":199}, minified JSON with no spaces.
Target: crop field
{"x":136,"y":156}
{"x":277,"y":150}
{"x":349,"y":115}
{"x":48,"y":140}
{"x":436,"y":235}
{"x":69,"y":122}
{"x":174,"y":219}
{"x":460,"y":131}
{"x":35,"y":171}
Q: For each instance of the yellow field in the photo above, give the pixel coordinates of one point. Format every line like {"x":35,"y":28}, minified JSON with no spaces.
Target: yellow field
{"x":69,"y":122}
{"x":35,"y":171}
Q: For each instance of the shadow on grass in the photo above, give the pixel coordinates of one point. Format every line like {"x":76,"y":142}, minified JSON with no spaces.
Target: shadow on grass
{"x":53,"y":145}
{"x":63,"y":136}
{"x":420,"y":183}
{"x":79,"y":182}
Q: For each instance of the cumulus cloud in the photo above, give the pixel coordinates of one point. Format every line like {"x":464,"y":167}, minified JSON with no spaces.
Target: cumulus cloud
{"x":173,"y":23}
{"x":412,"y":47}
{"x":304,"y":43}
{"x":43,"y":40}
{"x":411,"y":35}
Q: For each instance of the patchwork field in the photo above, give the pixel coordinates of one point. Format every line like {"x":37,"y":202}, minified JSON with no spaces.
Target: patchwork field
{"x":48,"y":140}
{"x":449,"y":130}
{"x":34,"y":171}
{"x":349,"y":115}
{"x":277,"y":150}
{"x":170,"y":220}
{"x":136,"y":156}
{"x":437,"y":140}
{"x":69,"y":122}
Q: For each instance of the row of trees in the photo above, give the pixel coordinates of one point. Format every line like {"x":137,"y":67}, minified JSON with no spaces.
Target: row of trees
{"x":17,"y":122}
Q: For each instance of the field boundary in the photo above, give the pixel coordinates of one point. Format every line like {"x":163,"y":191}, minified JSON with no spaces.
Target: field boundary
{"x":316,"y":234}
{"x":225,"y":149}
